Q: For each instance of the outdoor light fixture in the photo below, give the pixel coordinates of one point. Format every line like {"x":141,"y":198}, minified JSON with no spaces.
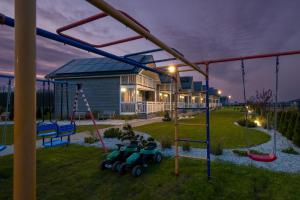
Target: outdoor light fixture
{"x":181,"y":97}
{"x":160,"y":94}
{"x":123,"y":89}
{"x":229,"y":96}
{"x":165,"y":95}
{"x":219,"y":92}
{"x":172,"y":69}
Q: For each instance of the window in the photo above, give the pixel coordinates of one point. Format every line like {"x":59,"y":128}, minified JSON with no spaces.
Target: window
{"x":127,"y":94}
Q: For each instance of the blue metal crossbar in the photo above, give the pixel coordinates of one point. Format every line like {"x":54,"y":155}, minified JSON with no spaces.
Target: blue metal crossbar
{"x":55,"y":37}
{"x":158,"y":61}
{"x":143,"y":52}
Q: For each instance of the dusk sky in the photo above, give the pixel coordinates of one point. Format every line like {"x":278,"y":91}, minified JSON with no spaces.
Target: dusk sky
{"x":200,"y":29}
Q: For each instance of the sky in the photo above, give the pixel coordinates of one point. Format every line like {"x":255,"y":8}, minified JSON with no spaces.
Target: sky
{"x":200,"y":29}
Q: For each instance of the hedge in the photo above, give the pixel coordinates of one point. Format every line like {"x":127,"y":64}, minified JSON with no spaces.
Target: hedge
{"x":296,"y":136}
{"x":281,"y":123}
{"x":291,"y":125}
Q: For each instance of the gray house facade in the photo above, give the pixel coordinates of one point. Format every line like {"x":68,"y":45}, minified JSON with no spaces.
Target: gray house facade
{"x":116,"y":87}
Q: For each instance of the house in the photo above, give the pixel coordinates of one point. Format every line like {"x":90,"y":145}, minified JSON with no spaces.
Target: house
{"x":121,"y":88}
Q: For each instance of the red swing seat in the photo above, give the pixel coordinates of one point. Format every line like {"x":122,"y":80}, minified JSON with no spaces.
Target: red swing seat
{"x":262,"y":158}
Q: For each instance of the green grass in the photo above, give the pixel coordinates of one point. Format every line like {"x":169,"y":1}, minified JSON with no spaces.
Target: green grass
{"x":72,"y":173}
{"x":9,"y":133}
{"x":222,"y":129}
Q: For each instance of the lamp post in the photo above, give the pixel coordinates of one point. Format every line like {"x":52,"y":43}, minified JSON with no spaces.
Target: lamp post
{"x":172,"y":70}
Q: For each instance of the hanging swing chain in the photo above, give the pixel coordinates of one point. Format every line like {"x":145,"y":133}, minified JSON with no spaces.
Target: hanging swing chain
{"x":43,"y":102}
{"x":276,"y":102}
{"x":244,"y":91}
{"x":49,"y":102}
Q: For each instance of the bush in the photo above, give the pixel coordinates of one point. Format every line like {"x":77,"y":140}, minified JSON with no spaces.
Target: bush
{"x":244,"y":153}
{"x":90,"y":140}
{"x":150,"y":139}
{"x":250,"y":124}
{"x":166,"y":143}
{"x":186,"y":146}
{"x":296,"y":136}
{"x":112,"y":133}
{"x":290,"y":150}
{"x":127,"y":133}
{"x":167,"y":117}
{"x":291,"y":125}
{"x":217,"y":148}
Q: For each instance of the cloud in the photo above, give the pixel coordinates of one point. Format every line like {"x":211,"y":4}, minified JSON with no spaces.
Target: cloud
{"x":199,"y":29}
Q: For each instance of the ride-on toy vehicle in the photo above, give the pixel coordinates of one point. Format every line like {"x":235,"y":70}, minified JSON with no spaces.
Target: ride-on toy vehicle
{"x":116,"y":157}
{"x":140,"y":160}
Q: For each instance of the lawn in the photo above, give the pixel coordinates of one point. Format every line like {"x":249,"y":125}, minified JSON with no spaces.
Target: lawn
{"x":9,"y":133}
{"x":72,"y":173}
{"x":223,"y":130}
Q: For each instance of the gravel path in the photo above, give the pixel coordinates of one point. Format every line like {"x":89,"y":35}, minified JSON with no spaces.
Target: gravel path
{"x":284,"y":163}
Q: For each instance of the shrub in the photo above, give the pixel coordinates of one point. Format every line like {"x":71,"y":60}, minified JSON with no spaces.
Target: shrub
{"x":245,"y":153}
{"x":296,"y":136}
{"x":217,"y":148}
{"x":166,"y":117}
{"x":166,"y":143}
{"x":150,"y":139}
{"x":186,"y":146}
{"x":291,"y":125}
{"x":290,"y":150}
{"x":127,"y":133}
{"x":250,"y":124}
{"x":239,"y":152}
{"x":90,"y":140}
{"x":112,"y":133}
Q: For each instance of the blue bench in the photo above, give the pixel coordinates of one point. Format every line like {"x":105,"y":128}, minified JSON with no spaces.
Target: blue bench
{"x":56,"y":133}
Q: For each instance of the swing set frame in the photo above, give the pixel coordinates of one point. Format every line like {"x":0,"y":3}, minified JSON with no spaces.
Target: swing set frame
{"x":25,"y":34}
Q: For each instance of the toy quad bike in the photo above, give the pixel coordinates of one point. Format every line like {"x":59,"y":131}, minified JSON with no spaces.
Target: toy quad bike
{"x":116,"y":157}
{"x":139,"y":160}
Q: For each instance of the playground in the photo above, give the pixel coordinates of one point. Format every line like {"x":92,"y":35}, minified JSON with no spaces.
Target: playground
{"x":127,"y":127}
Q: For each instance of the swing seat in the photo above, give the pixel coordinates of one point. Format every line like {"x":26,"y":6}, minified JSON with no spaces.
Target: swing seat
{"x":2,"y":147}
{"x":262,"y":158}
{"x":55,"y":143}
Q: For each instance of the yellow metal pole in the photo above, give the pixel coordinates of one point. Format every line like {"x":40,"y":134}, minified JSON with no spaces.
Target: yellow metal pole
{"x":176,"y":125}
{"x":24,"y":181}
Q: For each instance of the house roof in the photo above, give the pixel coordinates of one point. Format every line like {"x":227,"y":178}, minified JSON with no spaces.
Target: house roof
{"x":186,"y":82}
{"x":98,"y":66}
{"x":198,"y":86}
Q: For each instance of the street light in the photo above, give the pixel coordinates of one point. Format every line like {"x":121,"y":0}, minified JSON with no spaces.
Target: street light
{"x":229,"y":97}
{"x":171,"y":69}
{"x":219,"y":92}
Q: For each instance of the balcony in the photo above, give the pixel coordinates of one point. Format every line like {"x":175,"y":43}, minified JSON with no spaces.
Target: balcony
{"x":138,"y":80}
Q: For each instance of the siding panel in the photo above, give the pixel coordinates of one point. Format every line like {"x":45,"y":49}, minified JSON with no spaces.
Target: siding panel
{"x":103,"y":94}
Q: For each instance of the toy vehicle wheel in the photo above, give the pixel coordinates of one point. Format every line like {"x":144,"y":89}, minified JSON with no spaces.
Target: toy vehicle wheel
{"x":103,"y":165}
{"x":115,"y":167}
{"x":158,"y":157}
{"x":137,"y":171}
{"x":122,"y":169}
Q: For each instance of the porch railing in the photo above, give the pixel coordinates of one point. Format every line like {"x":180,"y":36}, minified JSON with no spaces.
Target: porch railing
{"x":147,"y":107}
{"x":138,"y":79}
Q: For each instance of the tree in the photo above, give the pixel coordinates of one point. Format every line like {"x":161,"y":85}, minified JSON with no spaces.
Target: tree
{"x":263,"y":99}
{"x":296,"y":136}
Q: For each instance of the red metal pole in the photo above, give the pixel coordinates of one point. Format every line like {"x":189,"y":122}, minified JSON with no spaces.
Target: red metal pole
{"x":93,"y":18}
